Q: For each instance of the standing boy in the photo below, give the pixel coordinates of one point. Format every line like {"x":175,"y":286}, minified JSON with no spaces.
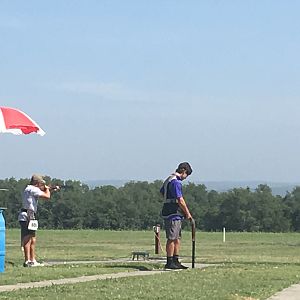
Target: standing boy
{"x":174,"y":211}
{"x":36,"y":189}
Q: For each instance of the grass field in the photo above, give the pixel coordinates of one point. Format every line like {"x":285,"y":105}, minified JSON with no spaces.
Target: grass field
{"x":248,"y":265}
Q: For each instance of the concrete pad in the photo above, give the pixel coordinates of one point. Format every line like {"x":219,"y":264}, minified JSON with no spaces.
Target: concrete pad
{"x":290,"y":293}
{"x":38,"y":284}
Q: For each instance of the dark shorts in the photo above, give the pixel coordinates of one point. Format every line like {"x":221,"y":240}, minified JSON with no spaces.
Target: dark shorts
{"x":173,"y":229}
{"x":24,"y":230}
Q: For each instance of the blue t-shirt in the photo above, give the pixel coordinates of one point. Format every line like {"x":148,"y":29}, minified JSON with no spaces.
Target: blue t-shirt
{"x":174,"y":191}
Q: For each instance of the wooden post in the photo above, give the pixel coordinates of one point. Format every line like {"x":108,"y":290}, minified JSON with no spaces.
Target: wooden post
{"x":157,"y":238}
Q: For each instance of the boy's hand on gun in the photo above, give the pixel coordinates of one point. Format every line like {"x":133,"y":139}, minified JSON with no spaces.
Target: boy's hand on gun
{"x":54,"y":188}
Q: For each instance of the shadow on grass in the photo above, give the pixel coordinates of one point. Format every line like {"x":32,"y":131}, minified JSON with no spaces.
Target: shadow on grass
{"x":10,"y":263}
{"x":135,"y":267}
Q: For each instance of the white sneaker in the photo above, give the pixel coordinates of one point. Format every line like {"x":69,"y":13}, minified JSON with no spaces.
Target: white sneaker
{"x":36,"y":264}
{"x":27,"y":264}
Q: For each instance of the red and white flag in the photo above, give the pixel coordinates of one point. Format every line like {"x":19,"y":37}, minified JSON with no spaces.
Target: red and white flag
{"x":17,"y":122}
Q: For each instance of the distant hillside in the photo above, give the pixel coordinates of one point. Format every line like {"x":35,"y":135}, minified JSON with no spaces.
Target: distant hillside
{"x":114,"y":182}
{"x":278,"y":188}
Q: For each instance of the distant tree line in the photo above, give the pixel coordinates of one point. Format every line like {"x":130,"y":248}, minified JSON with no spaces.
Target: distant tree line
{"x":137,"y":205}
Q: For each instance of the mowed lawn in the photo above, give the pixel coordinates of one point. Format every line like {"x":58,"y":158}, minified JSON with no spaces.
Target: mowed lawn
{"x":246,"y":266}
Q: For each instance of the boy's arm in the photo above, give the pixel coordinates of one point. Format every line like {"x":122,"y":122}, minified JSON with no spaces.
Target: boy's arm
{"x":45,"y":192}
{"x":184,"y":208}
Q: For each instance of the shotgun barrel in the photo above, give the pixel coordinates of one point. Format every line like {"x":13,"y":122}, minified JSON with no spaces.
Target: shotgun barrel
{"x":193,"y":242}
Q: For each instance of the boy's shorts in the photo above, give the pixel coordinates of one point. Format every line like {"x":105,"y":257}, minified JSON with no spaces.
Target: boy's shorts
{"x":173,"y":229}
{"x":24,"y":230}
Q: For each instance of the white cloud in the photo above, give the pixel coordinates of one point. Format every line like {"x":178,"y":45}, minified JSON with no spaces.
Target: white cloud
{"x":106,"y":90}
{"x":115,"y":92}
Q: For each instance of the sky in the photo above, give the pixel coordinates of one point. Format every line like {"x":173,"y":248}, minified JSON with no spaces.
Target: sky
{"x":129,"y":89}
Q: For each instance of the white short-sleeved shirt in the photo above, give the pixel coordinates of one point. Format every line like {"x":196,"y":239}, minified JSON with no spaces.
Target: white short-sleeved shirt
{"x":30,"y":200}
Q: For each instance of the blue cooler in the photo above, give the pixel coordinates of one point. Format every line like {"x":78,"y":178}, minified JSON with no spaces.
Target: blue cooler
{"x":2,"y":241}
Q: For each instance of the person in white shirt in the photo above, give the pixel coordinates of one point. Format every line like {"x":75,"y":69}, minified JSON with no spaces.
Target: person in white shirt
{"x":36,"y":189}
